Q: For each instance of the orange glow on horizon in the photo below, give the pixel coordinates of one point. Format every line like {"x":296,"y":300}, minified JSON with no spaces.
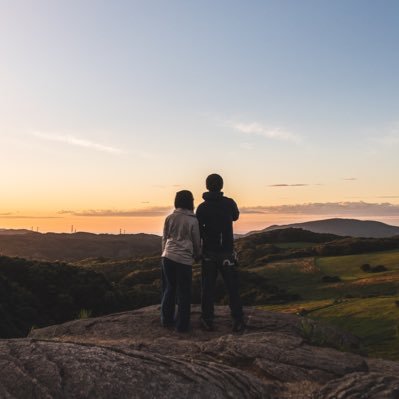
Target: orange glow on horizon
{"x":153,"y":225}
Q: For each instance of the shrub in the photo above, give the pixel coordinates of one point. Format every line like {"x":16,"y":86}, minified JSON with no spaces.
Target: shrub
{"x":366,"y":267}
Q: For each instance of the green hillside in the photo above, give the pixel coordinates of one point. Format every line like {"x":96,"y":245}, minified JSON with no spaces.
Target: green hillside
{"x":363,"y":303}
{"x":349,"y":282}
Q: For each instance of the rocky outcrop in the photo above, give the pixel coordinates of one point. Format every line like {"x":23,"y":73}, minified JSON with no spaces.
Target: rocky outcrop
{"x":129,"y":355}
{"x":40,"y":369}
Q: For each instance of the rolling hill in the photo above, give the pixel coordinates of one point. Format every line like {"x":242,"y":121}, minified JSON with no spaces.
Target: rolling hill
{"x":323,"y":276}
{"x":342,"y":227}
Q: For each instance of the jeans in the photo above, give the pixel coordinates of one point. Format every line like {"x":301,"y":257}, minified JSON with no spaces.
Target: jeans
{"x":211,"y":265}
{"x":177,"y":286}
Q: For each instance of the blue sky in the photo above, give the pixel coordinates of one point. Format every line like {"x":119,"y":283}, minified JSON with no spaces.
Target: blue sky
{"x":115,"y":105}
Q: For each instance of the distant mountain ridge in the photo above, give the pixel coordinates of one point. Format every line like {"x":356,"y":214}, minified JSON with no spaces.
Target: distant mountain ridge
{"x":15,"y":231}
{"x":341,"y":227}
{"x":77,"y":246}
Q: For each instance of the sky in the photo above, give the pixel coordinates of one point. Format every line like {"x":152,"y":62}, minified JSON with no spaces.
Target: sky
{"x":108,"y":108}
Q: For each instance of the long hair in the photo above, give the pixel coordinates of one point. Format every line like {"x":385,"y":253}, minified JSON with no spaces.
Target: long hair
{"x":184,"y":199}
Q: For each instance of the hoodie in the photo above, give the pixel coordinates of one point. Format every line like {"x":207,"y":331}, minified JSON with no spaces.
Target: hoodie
{"x":216,"y":216}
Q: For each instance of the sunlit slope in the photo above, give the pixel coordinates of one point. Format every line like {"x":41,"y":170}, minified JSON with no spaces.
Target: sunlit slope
{"x":305,"y":276}
{"x":363,"y":303}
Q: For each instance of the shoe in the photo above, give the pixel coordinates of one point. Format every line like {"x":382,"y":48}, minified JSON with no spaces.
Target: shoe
{"x":238,"y":326}
{"x":207,"y":325}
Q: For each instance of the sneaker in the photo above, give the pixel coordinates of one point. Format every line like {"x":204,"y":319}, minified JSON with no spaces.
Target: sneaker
{"x":207,"y":325}
{"x":238,"y":325}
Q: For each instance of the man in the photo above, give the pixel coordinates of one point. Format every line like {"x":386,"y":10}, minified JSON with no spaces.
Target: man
{"x":216,"y":216}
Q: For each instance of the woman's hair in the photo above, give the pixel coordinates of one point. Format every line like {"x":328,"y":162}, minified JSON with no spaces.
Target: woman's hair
{"x":184,"y":199}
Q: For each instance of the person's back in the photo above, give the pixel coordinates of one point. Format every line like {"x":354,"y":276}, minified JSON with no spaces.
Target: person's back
{"x":216,"y":216}
{"x":180,"y":247}
{"x":179,"y":241}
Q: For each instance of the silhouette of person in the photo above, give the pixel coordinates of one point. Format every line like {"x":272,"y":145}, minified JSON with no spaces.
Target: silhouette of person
{"x":181,"y":245}
{"x":216,"y":216}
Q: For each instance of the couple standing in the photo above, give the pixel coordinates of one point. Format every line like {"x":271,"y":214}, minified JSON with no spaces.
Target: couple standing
{"x":181,"y":246}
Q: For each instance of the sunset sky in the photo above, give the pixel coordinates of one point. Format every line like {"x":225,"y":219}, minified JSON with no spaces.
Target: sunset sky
{"x":107,"y":108}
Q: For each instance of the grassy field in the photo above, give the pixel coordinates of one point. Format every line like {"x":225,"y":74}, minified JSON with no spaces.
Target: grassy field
{"x":361,"y":303}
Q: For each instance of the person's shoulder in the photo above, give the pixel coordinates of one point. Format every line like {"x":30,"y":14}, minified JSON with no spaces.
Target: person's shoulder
{"x":200,"y":206}
{"x":167,"y":219}
{"x":229,"y":200}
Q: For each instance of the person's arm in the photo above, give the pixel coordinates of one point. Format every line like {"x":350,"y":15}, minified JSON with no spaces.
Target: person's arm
{"x":165,"y":233}
{"x":200,"y":218}
{"x":235,"y":213}
{"x":196,"y":238}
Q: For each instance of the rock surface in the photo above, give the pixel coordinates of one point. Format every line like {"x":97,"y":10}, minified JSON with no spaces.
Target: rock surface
{"x":129,"y":355}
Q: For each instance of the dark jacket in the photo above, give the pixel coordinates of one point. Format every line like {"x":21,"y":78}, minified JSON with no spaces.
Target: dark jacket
{"x":216,"y":216}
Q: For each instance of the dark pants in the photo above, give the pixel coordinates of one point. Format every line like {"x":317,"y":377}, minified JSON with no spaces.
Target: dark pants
{"x":177,"y":285}
{"x":211,"y":265}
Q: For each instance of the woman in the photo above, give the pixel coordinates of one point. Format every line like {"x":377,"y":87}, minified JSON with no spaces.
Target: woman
{"x":181,"y":245}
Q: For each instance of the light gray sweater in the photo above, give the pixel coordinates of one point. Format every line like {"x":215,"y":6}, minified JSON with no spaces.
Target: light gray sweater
{"x":181,"y":240}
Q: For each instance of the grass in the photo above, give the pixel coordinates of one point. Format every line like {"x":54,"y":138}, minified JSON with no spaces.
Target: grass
{"x":300,"y":306}
{"x":299,"y":276}
{"x":363,"y":303}
{"x":372,"y":319}
{"x":348,"y":267}
{"x":303,"y":276}
{"x":84,"y":314}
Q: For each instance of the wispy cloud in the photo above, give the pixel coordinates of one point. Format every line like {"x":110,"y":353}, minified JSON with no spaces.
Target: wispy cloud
{"x":273,"y":133}
{"x":329,"y":208}
{"x":350,"y":178}
{"x":141,"y":212}
{"x":78,"y":142}
{"x":289,"y":185}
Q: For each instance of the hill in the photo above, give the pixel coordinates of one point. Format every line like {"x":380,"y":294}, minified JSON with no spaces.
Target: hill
{"x":290,"y":270}
{"x":341,"y":291}
{"x":15,"y":231}
{"x":77,"y":246}
{"x":295,"y":243}
{"x":342,"y":227}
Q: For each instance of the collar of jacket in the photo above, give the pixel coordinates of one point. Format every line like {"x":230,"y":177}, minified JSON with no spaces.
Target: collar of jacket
{"x":212,"y":195}
{"x":184,"y":211}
